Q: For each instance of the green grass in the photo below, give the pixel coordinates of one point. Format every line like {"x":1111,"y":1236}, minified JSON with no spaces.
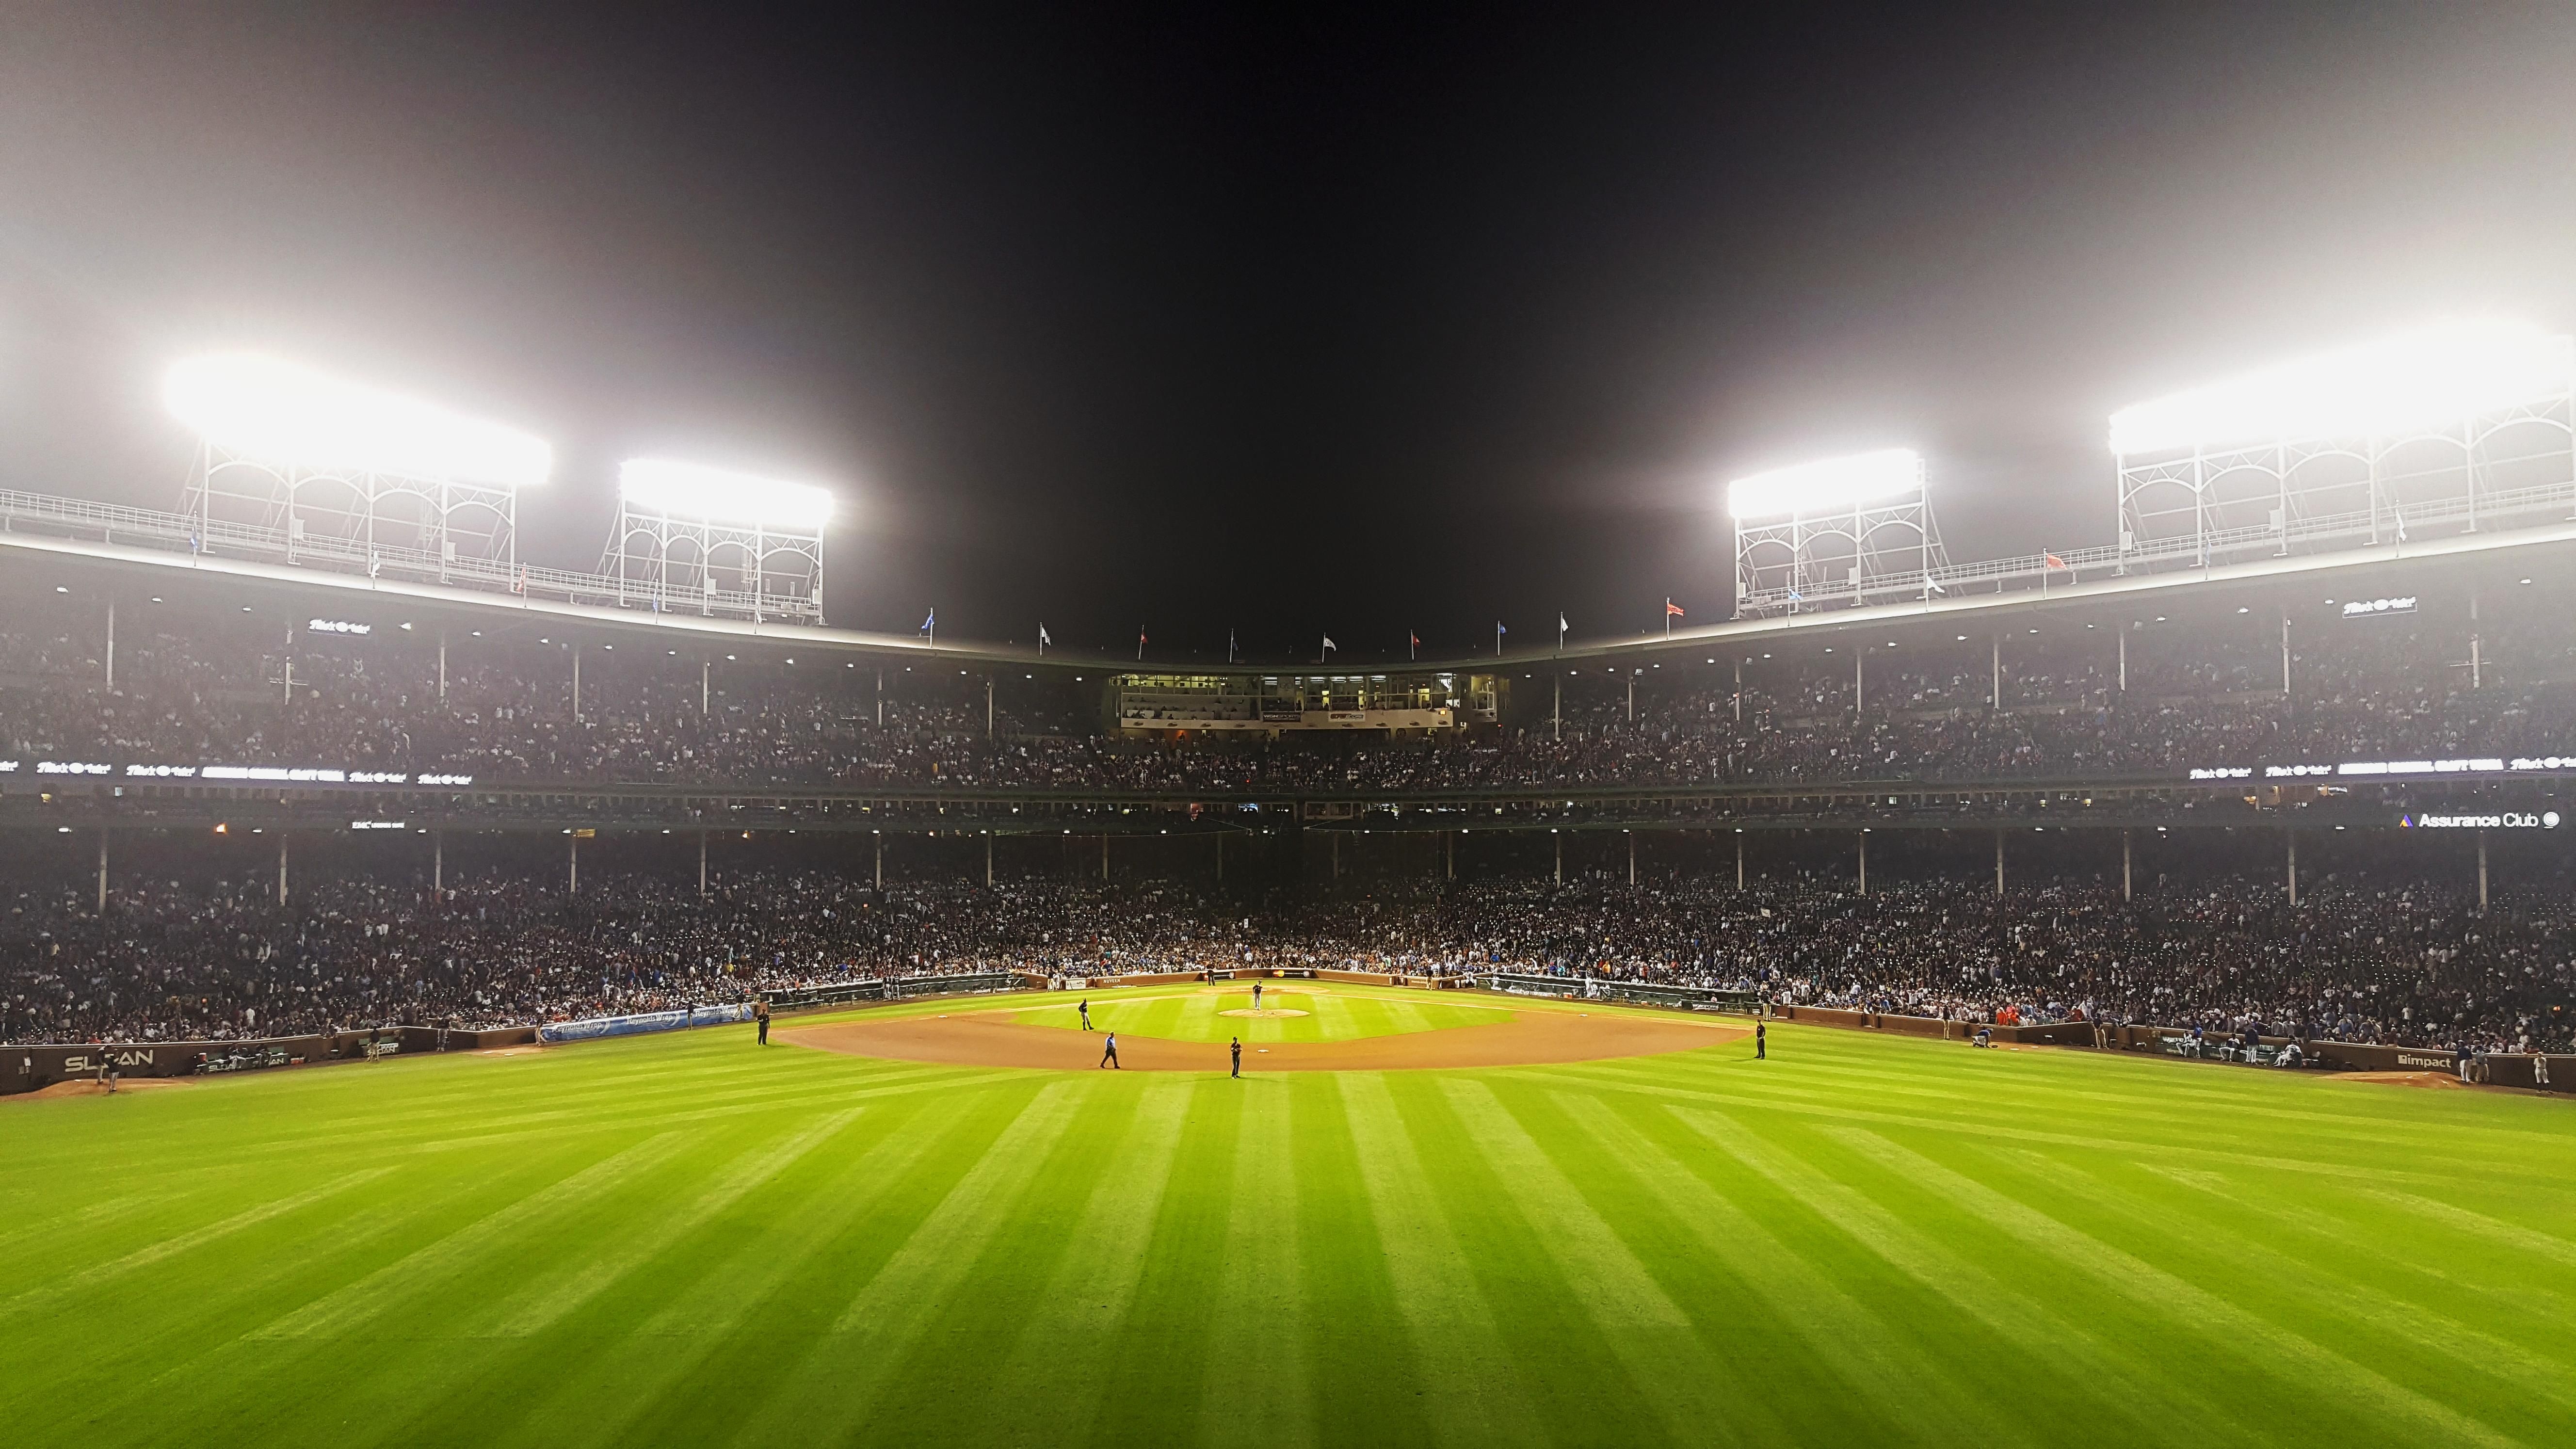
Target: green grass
{"x":1863,"y":1240}
{"x":1196,"y":1014}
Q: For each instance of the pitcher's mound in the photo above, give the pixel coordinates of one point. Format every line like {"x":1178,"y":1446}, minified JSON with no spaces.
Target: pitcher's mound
{"x":1265,"y":1011}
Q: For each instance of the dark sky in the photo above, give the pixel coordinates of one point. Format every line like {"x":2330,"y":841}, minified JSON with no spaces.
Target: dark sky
{"x":1321,"y":323}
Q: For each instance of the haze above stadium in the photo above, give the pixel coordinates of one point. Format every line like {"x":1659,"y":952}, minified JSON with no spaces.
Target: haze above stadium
{"x":1199,"y":324}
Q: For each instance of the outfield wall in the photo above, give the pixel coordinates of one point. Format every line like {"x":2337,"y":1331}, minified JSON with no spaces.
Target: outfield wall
{"x":2503,"y":1069}
{"x":32,"y":1068}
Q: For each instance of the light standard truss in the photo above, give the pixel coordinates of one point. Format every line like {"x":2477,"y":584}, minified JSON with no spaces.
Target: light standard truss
{"x":698,"y":540}
{"x":2490,"y":470}
{"x":349,"y":519}
{"x":2450,"y":429}
{"x":1847,"y":537}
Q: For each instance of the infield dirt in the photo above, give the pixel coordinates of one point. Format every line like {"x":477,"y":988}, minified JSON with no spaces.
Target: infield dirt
{"x":994,"y":1039}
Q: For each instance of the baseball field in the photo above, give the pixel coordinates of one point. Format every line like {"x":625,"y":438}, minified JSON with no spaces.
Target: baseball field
{"x":1860,"y":1240}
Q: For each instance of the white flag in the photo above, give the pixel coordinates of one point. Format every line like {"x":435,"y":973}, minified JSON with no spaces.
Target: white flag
{"x":1329,"y":644}
{"x":1042,"y":635}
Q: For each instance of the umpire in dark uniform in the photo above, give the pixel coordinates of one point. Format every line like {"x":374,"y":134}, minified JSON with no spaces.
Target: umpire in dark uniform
{"x":1238,"y":1056}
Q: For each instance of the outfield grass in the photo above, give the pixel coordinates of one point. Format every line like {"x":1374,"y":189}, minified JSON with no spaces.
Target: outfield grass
{"x":1863,"y":1240}
{"x":1337,"y":1015}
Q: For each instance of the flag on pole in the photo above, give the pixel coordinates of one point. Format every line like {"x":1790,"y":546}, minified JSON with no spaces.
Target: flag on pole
{"x":930,"y":626}
{"x":1140,"y":643}
{"x":375,"y":563}
{"x":1414,"y":649}
{"x":1329,"y":645}
{"x":1043,"y":640}
{"x":1499,"y":632}
{"x":1797,"y":598}
{"x":2401,"y":518}
{"x":1673,"y":610}
{"x":2054,"y":561}
{"x":1930,"y":587}
{"x":1229,"y":646}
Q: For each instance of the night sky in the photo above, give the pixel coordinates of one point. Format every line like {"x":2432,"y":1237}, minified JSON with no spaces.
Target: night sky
{"x":1350,"y":324}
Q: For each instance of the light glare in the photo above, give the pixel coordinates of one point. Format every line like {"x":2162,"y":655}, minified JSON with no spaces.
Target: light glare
{"x":693,"y":490}
{"x":290,"y":416}
{"x":2432,"y":376}
{"x":1826,"y":484}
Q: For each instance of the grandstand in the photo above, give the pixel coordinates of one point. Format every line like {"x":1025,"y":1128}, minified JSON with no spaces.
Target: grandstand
{"x":167,"y":686}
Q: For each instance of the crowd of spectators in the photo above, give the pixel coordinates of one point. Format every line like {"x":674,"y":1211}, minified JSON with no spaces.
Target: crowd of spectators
{"x":2355,"y":960}
{"x":363,"y":704}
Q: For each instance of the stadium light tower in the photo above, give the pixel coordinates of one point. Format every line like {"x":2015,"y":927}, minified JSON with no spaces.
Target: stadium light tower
{"x":330,"y":472}
{"x":1841,"y":530}
{"x":2445,"y":428}
{"x":685,"y":530}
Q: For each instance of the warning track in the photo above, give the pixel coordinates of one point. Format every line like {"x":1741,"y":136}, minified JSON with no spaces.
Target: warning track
{"x":994,"y":1039}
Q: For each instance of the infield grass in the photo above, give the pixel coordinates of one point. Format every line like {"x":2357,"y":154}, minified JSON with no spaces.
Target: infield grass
{"x":1862,"y":1240}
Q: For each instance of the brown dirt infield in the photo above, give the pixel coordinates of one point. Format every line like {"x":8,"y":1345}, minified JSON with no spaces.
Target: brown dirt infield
{"x":993,"y":1039}
{"x":2438,"y":1081}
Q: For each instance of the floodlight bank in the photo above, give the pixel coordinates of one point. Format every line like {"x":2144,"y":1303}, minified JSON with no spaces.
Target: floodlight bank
{"x":2431,"y":377}
{"x":1826,"y":484}
{"x":693,"y":490}
{"x":288,"y":416}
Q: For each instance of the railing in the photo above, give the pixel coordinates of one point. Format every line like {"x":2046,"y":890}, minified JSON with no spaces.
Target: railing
{"x":2190,"y":550}
{"x":179,"y":533}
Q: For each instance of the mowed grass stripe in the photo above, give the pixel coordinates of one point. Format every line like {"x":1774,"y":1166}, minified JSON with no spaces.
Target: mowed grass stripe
{"x":2120,"y":1366}
{"x":671,"y":1343}
{"x":547,"y":1298}
{"x":1640,"y":1323}
{"x":155,"y":1376}
{"x":1254,"y":1388}
{"x":1085,"y":1300}
{"x":34,"y":1298}
{"x":2512,"y":1237}
{"x":1870,"y":1360}
{"x":943,"y":1249}
{"x":2410,"y":1333}
{"x":2149,"y":1284}
{"x":838,"y":1382}
{"x":385,"y":1289}
{"x":1347,"y":1290}
{"x":1476,"y":1392}
{"x":1790,"y":1099}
